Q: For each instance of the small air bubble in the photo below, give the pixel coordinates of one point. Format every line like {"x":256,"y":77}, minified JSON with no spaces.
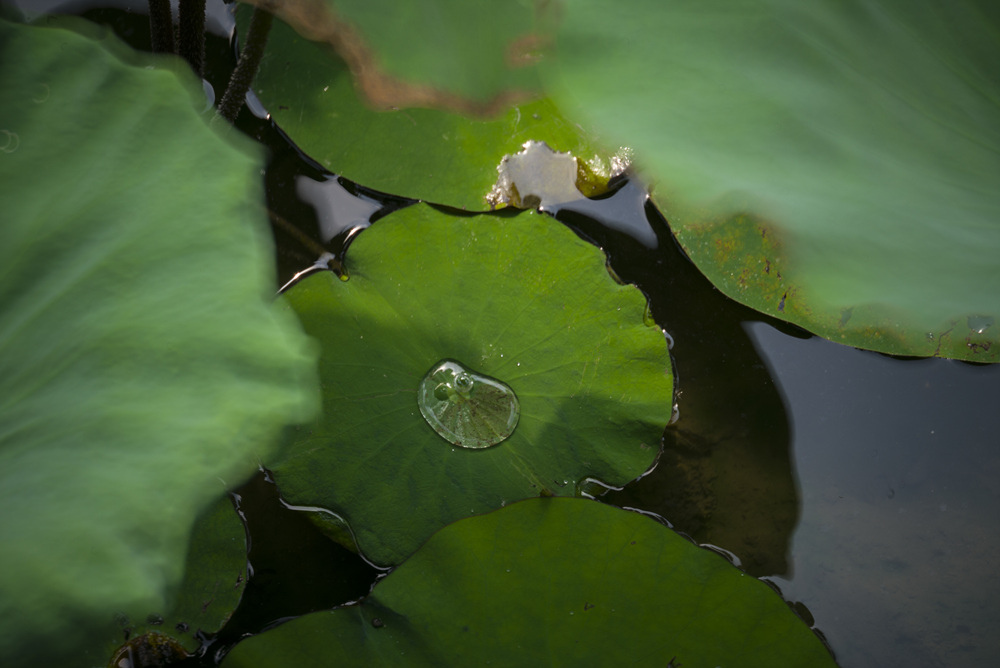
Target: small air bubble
{"x":11,"y":143}
{"x":42,"y":93}
{"x":979,"y":323}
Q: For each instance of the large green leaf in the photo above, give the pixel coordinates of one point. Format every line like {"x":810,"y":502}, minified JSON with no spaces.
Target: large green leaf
{"x":834,"y":164}
{"x":552,"y":582}
{"x":439,"y":156}
{"x":519,"y":299}
{"x":143,"y":366}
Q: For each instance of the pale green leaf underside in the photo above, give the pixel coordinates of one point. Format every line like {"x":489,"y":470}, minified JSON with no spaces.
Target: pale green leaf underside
{"x":552,"y":582}
{"x":518,"y":299}
{"x":143,"y":366}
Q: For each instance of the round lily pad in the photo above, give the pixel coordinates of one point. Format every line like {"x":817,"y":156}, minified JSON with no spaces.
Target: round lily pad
{"x":422,"y":153}
{"x":834,"y":165}
{"x":552,"y":582}
{"x":520,"y":300}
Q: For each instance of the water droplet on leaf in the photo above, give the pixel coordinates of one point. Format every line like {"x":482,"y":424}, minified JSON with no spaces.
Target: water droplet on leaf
{"x":466,"y":408}
{"x":979,"y":323}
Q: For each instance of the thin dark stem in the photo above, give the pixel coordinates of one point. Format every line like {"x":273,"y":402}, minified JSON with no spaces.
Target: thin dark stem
{"x":310,"y":244}
{"x":246,"y":68}
{"x":192,"y":34}
{"x":161,"y":26}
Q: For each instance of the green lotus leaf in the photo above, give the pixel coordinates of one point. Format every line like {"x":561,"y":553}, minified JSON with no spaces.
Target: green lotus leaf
{"x":471,"y":57}
{"x":421,"y":153}
{"x":143,"y":363}
{"x":520,"y":300}
{"x":215,"y":574}
{"x":834,"y":165}
{"x":552,"y":582}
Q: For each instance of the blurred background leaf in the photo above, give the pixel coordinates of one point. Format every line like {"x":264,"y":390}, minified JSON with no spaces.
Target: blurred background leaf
{"x":834,"y":165}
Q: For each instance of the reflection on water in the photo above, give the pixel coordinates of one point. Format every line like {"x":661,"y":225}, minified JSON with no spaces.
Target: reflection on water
{"x":337,"y":210}
{"x":896,"y":552}
{"x":725,"y":477}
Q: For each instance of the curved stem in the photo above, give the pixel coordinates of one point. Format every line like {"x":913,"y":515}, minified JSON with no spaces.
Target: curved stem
{"x":246,"y":68}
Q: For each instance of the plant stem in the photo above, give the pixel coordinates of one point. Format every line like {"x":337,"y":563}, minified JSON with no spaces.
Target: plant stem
{"x":192,"y":34}
{"x":307,"y":242}
{"x":161,"y":26}
{"x":246,"y":68}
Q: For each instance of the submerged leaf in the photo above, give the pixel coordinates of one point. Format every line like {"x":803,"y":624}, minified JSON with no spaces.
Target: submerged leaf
{"x":552,"y":582}
{"x":521,"y":301}
{"x":834,"y":164}
{"x":143,"y":365}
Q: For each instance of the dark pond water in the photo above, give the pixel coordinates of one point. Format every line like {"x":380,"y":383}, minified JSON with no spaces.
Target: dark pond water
{"x":866,"y":488}
{"x":896,"y":549}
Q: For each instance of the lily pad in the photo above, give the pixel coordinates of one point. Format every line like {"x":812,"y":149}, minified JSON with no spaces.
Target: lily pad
{"x":421,"y":153}
{"x":835,"y":165}
{"x":215,"y":575}
{"x":143,"y":363}
{"x":517,"y":299}
{"x":552,"y":582}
